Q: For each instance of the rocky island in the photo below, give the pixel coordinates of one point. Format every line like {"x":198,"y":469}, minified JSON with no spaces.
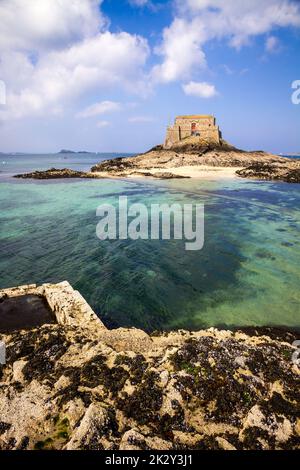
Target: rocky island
{"x":193,"y":148}
{"x":55,"y":173}
{"x":74,"y":384}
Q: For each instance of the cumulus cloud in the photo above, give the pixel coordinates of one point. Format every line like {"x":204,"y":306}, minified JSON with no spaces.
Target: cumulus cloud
{"x":33,"y":24}
{"x":99,"y":108}
{"x":200,"y":89}
{"x":54,"y":51}
{"x":199,"y":21}
{"x":88,"y":60}
{"x":181,"y":49}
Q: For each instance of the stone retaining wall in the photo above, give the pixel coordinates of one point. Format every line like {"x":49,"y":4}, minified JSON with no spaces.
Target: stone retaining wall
{"x":68,"y":305}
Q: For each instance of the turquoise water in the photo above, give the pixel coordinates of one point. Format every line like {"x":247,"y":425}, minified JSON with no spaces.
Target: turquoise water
{"x":13,"y":164}
{"x":246,"y":274}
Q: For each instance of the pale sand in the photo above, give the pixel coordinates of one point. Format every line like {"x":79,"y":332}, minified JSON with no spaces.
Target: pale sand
{"x":199,"y":171}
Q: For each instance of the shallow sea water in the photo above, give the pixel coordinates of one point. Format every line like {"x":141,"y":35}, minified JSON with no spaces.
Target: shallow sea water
{"x":246,"y":274}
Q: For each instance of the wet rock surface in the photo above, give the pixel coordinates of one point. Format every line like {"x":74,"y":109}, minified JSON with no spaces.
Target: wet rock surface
{"x":63,"y":389}
{"x":54,"y":173}
{"x":115,"y":169}
{"x":288,"y":171}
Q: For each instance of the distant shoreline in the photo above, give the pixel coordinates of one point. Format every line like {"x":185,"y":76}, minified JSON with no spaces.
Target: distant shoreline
{"x":125,"y":154}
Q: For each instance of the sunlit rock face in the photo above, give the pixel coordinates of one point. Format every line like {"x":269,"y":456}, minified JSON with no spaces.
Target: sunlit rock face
{"x":76,"y":385}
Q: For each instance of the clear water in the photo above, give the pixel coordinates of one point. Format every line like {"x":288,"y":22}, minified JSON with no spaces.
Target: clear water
{"x":247,"y":273}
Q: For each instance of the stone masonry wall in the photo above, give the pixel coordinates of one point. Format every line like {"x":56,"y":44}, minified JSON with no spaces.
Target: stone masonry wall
{"x":187,"y":126}
{"x":68,"y":305}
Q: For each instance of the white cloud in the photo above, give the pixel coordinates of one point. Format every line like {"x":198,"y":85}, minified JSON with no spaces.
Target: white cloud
{"x":99,"y":108}
{"x":272,"y":44}
{"x":54,"y":51}
{"x":39,"y":24}
{"x":181,"y":49}
{"x":200,"y":89}
{"x":200,"y":21}
{"x":136,"y":119}
{"x":101,"y":124}
{"x":59,"y":76}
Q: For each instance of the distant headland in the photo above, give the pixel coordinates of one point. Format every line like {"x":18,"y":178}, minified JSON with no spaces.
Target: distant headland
{"x":72,"y":151}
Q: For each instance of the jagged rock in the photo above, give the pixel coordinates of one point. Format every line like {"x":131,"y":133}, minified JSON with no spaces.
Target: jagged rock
{"x":54,"y":173}
{"x":76,"y":385}
{"x":18,"y":375}
{"x":74,"y":411}
{"x":133,"y":440}
{"x":93,"y":427}
{"x":71,"y":387}
{"x":288,"y":171}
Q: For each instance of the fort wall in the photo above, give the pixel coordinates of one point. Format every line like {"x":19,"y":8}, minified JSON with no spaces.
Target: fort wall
{"x":201,"y":126}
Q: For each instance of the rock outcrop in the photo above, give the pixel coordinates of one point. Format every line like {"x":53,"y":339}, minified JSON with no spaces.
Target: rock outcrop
{"x":165,"y":159}
{"x":189,"y":154}
{"x":288,"y":171}
{"x":77,"y":385}
{"x":55,"y":173}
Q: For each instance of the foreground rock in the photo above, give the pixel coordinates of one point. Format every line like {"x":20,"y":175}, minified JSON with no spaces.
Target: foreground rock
{"x":122,"y":389}
{"x":288,"y":171}
{"x":54,"y":173}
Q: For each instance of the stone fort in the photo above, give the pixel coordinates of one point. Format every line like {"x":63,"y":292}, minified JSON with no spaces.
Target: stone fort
{"x":200,"y":129}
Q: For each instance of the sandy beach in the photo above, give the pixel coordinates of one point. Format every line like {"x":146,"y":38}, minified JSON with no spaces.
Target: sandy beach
{"x":197,"y":171}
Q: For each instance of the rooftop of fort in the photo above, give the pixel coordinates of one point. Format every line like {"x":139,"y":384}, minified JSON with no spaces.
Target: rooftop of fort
{"x":195,"y":116}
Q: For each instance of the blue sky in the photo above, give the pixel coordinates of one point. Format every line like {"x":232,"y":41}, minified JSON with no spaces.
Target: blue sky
{"x":110,"y":75}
